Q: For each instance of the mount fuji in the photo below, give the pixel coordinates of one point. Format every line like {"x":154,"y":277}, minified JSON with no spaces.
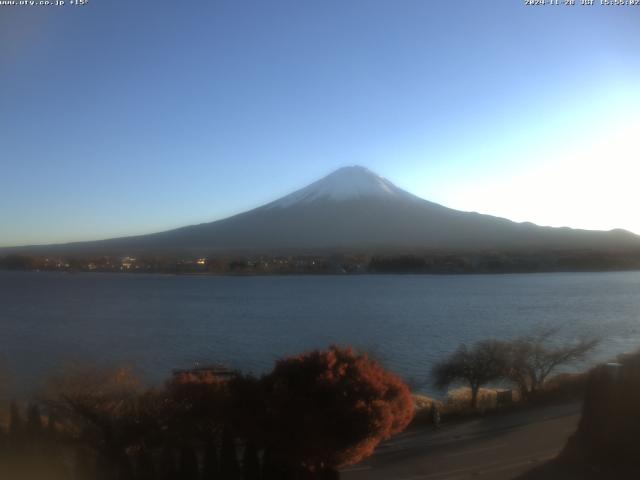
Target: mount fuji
{"x":352,"y":210}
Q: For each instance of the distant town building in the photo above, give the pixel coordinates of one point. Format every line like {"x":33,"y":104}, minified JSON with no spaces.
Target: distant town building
{"x":127,"y":262}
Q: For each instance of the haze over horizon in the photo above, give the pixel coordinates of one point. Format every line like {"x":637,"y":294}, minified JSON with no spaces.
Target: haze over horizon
{"x":127,"y":118}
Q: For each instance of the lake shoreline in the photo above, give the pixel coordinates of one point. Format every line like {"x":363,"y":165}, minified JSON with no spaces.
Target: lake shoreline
{"x":328,"y":274}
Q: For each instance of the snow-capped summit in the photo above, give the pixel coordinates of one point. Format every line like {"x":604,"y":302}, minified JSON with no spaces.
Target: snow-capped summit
{"x":346,"y":183}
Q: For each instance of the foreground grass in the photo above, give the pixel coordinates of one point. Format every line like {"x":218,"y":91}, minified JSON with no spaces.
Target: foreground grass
{"x":456,"y":406}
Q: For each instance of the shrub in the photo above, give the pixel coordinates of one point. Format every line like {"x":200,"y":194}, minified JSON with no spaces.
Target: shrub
{"x":332,"y":408}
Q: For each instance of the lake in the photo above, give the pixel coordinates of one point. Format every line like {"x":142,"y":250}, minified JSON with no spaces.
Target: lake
{"x":159,"y":322}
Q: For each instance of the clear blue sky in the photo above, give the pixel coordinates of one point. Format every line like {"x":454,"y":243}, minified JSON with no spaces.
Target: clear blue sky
{"x":125,"y":117}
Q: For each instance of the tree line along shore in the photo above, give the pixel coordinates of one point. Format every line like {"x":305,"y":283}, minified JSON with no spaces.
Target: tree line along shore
{"x":319,"y":264}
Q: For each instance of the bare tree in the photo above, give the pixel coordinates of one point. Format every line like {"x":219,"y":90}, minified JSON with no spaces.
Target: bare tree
{"x":533,"y":358}
{"x":484,"y":362}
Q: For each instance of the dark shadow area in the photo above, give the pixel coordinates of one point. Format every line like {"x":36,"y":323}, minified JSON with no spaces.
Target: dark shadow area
{"x":605,"y":445}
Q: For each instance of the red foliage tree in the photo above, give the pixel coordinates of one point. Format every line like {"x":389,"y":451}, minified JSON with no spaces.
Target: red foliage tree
{"x":194,"y":408}
{"x":332,"y":408}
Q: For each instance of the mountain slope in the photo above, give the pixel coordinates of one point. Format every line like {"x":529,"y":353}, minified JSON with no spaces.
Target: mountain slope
{"x":354,"y":209}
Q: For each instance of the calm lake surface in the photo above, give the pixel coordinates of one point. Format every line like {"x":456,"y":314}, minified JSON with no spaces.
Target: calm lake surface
{"x":159,"y":322}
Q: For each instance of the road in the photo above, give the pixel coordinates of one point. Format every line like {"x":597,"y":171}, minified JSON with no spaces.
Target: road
{"x":495,"y":447}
